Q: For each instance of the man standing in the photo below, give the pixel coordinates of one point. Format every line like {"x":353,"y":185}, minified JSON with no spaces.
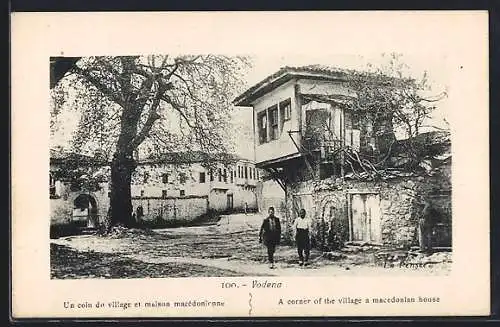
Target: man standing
{"x":302,"y":226}
{"x":425,"y":226}
{"x":139,"y":213}
{"x":270,"y":234}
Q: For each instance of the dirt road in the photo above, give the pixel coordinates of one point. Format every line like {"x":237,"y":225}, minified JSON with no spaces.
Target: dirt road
{"x":229,"y":248}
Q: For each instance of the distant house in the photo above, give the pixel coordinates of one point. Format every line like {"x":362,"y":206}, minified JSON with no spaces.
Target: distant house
{"x":313,"y":142}
{"x":174,"y":186}
{"x":183,"y":185}
{"x":78,"y":189}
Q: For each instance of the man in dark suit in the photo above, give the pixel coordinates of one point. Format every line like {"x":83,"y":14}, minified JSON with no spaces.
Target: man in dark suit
{"x":270,"y":234}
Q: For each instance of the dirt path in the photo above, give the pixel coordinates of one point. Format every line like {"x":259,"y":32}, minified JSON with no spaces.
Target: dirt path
{"x":231,"y":246}
{"x":285,"y":269}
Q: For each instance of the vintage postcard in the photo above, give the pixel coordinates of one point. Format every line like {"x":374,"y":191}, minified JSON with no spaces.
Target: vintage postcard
{"x":250,"y":164}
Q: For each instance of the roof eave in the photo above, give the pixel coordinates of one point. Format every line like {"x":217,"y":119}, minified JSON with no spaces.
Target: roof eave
{"x":248,"y":97}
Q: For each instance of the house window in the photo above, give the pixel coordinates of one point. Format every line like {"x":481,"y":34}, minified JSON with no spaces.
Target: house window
{"x":285,"y":113}
{"x":231,"y":174}
{"x":164,"y":193}
{"x":262,"y":127}
{"x":352,"y":120}
{"x":355,"y":120}
{"x":182,"y":178}
{"x":273,"y":119}
{"x":246,"y":172}
{"x":220,"y":175}
{"x":254,"y":174}
{"x":182,"y":192}
{"x":250,"y":173}
{"x":286,"y":110}
{"x":239,"y":172}
{"x":164,"y":178}
{"x":142,"y":192}
{"x":211,"y":176}
{"x":202,"y":177}
{"x":225,"y":176}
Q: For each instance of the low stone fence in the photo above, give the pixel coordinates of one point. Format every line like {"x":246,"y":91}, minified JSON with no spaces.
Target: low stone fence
{"x":185,"y":208}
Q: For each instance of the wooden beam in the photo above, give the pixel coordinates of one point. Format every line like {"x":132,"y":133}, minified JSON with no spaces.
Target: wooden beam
{"x":275,"y":175}
{"x":349,"y":217}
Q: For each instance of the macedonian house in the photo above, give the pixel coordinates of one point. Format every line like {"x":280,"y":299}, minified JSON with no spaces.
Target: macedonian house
{"x":326,"y":154}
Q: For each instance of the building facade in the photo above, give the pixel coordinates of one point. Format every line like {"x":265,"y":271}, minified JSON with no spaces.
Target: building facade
{"x":78,"y":190}
{"x":176,"y":187}
{"x":180,"y":187}
{"x":318,"y":146}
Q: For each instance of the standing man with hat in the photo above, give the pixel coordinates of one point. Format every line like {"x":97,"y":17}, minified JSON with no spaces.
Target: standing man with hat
{"x":270,"y":235}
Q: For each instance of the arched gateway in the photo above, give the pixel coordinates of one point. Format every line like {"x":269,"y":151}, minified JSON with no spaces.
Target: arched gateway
{"x":85,"y":210}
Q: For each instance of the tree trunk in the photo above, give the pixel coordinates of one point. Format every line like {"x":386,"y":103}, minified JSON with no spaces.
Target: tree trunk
{"x":121,"y":199}
{"x":384,"y":131}
{"x":122,"y":167}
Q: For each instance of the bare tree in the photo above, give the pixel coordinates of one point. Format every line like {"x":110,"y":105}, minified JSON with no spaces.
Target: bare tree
{"x":394,"y":100}
{"x":129,"y":104}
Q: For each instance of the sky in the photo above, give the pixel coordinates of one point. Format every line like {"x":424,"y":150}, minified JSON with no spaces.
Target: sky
{"x":264,"y":66}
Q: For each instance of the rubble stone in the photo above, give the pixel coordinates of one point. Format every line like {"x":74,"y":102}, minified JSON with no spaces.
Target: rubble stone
{"x":334,"y":255}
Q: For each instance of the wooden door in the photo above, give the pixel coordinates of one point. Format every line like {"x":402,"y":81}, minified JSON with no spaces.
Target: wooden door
{"x":229,"y":202}
{"x":365,"y":218}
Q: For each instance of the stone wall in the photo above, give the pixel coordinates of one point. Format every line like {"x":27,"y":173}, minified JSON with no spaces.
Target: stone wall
{"x":218,"y":199}
{"x":270,"y":194}
{"x":329,"y":209}
{"x":327,"y":202}
{"x":244,"y":195}
{"x":179,"y":209}
{"x":61,"y":207}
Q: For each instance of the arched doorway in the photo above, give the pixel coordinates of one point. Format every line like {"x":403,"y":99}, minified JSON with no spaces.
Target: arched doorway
{"x":85,"y":211}
{"x":334,"y":223}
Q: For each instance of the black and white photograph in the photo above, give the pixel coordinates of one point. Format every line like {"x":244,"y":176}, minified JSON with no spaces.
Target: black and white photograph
{"x":200,"y":165}
{"x":250,"y":164}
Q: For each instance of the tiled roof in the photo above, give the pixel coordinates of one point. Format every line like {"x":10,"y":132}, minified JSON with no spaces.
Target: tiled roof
{"x":170,"y":157}
{"x":286,"y":73}
{"x":59,"y":156}
{"x":190,"y":157}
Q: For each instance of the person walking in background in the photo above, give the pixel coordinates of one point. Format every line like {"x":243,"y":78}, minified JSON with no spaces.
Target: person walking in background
{"x":139,"y":212}
{"x":270,"y":235}
{"x":302,"y":227}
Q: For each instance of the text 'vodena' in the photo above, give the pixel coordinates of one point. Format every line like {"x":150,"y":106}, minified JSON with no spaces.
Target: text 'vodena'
{"x":266,"y":284}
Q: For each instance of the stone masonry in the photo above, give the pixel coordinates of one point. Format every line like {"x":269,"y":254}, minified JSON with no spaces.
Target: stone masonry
{"x":399,"y":203}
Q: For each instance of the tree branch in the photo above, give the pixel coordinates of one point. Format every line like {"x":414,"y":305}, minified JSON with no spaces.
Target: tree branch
{"x":152,"y":117}
{"x":110,"y":93}
{"x":143,"y":94}
{"x":178,"y":108}
{"x":436,"y":127}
